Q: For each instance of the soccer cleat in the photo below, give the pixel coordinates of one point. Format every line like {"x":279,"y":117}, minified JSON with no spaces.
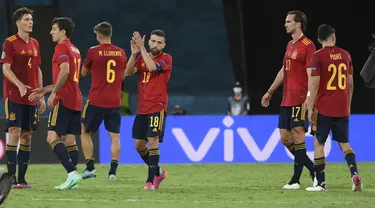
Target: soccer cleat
{"x":357,"y":183}
{"x":112,"y":177}
{"x":315,"y":182}
{"x":293,"y":186}
{"x":316,"y":188}
{"x":70,"y":182}
{"x":149,"y":186}
{"x":15,"y":185}
{"x":22,"y":185}
{"x":74,"y":187}
{"x":88,"y":174}
{"x":159,"y":179}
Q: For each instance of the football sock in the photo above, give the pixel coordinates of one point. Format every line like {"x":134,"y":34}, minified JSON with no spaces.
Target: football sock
{"x":112,"y":170}
{"x":90,"y":164}
{"x":23,"y":161}
{"x":153,"y":168}
{"x":308,"y":163}
{"x":63,"y":155}
{"x":73,"y":154}
{"x":11,"y":153}
{"x":350,"y":160}
{"x":144,"y":154}
{"x":299,"y":158}
{"x":320,"y":165}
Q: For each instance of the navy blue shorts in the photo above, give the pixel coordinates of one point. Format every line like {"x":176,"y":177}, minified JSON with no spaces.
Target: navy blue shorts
{"x":291,"y":117}
{"x":92,"y":117}
{"x":324,"y":124}
{"x":64,"y":121}
{"x":25,"y":117}
{"x":149,"y":125}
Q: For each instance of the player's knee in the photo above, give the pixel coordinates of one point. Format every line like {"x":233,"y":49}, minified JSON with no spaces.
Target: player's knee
{"x":153,"y":142}
{"x":52,"y":136}
{"x":69,"y":140}
{"x":298,"y":135}
{"x":345,"y":147}
{"x":14,"y":135}
{"x":286,"y":138}
{"x":318,"y":144}
{"x":139,"y":144}
{"x":115,"y":138}
{"x":84,"y":131}
{"x":26,"y":137}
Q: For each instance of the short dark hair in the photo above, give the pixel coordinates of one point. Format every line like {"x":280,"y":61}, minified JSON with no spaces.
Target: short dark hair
{"x":64,"y":23}
{"x":104,"y":28}
{"x":18,"y":14}
{"x":325,"y":31}
{"x":160,"y":33}
{"x":300,"y":17}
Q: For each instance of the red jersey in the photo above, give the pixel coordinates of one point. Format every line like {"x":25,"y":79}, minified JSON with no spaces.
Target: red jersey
{"x":69,"y":94}
{"x":24,"y":59}
{"x":153,"y":86}
{"x":296,"y":61}
{"x":333,"y":65}
{"x":107,"y":63}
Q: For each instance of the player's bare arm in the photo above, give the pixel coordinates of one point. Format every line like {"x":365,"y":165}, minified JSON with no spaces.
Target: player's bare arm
{"x":40,"y":92}
{"x":275,"y":85}
{"x":314,"y":88}
{"x":61,"y":80}
{"x":13,"y":79}
{"x":130,"y":70}
{"x":42,"y":102}
{"x":85,"y":71}
{"x":351,"y":88}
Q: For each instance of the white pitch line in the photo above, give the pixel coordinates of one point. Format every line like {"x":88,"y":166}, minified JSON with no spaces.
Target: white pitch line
{"x":195,"y":201}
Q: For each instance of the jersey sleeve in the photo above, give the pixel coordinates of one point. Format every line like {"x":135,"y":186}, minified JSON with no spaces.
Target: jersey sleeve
{"x":137,"y":63}
{"x":7,"y":53}
{"x":164,"y":64}
{"x":310,"y":50}
{"x":315,"y":66}
{"x":89,"y":59}
{"x":61,"y":53}
{"x":38,"y":50}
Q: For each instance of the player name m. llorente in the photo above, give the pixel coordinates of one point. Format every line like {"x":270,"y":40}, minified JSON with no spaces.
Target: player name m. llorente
{"x":110,"y":53}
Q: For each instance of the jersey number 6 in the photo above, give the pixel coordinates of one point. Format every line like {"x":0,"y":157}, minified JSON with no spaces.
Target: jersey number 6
{"x":111,"y":74}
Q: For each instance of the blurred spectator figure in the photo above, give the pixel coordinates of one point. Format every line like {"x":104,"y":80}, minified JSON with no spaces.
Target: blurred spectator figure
{"x":125,"y":104}
{"x":178,"y":111}
{"x":237,"y":103}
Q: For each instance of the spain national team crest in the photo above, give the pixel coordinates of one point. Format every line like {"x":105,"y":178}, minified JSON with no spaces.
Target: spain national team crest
{"x":294,"y":54}
{"x":35,"y":52}
{"x":3,"y":55}
{"x":12,"y":116}
{"x":30,"y":52}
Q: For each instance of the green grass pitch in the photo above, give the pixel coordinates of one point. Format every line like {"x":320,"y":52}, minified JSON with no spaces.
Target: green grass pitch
{"x":211,"y":185}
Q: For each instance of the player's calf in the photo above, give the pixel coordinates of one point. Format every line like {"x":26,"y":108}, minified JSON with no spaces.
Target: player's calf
{"x":60,"y":150}
{"x":71,"y":146}
{"x":23,"y":158}
{"x":352,"y":164}
{"x":115,"y":154}
{"x":154,"y":156}
{"x":142,"y":149}
{"x":14,"y":134}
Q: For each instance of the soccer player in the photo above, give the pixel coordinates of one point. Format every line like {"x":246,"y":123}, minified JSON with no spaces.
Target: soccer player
{"x":21,"y":68}
{"x":107,"y":63}
{"x":294,"y":75}
{"x":331,"y":88}
{"x":65,"y":99}
{"x":154,"y":70}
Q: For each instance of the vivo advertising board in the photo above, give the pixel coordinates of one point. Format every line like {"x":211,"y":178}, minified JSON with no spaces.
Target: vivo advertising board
{"x":225,"y":139}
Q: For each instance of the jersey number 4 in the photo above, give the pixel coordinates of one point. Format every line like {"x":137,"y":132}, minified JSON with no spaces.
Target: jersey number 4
{"x":341,"y":77}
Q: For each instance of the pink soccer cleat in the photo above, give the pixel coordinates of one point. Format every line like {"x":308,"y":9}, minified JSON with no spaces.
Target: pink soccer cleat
{"x":159,"y":179}
{"x":149,"y":186}
{"x":357,"y":183}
